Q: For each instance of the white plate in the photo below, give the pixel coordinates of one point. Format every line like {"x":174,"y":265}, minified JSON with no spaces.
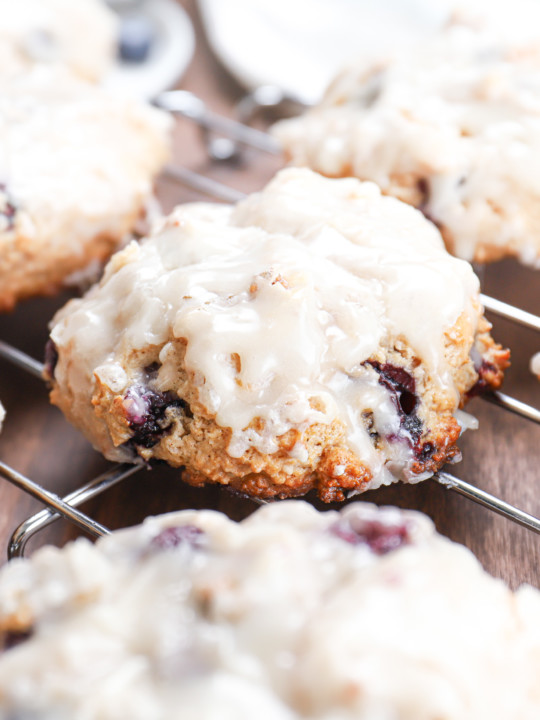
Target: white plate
{"x":299,"y":45}
{"x":169,"y":56}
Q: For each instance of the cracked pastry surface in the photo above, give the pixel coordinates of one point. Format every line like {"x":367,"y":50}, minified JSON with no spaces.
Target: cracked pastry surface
{"x":363,"y":614}
{"x":79,"y":35}
{"x":77,"y":168}
{"x":316,"y":335}
{"x":452,"y":127}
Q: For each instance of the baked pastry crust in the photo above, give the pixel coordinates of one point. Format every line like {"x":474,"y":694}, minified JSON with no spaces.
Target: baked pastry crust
{"x":79,"y":168}
{"x":315,"y":336}
{"x":359,"y":614}
{"x":451,"y":127}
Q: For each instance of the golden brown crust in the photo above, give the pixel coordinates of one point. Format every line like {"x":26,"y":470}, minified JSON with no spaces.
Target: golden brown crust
{"x":339,"y":472}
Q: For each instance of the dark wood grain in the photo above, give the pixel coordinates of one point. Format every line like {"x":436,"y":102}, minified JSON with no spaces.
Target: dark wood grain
{"x":500,"y":457}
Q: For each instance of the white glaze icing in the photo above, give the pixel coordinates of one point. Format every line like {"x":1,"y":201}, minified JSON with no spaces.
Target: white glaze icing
{"x":74,"y":160}
{"x":80,"y":35}
{"x":277,"y":617}
{"x":301,"y":284}
{"x":461,"y":114}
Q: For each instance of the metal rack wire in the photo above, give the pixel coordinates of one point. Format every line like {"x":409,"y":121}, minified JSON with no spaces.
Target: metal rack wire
{"x":191,"y":107}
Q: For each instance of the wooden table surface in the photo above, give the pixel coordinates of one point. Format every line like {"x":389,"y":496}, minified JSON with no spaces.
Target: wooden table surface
{"x":500,"y":457}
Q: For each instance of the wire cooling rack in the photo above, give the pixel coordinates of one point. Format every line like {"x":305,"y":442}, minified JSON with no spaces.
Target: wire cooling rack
{"x":222,"y":137}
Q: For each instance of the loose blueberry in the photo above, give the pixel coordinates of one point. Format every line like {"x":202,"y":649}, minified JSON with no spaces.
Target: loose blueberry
{"x":171,"y":537}
{"x":380,"y":538}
